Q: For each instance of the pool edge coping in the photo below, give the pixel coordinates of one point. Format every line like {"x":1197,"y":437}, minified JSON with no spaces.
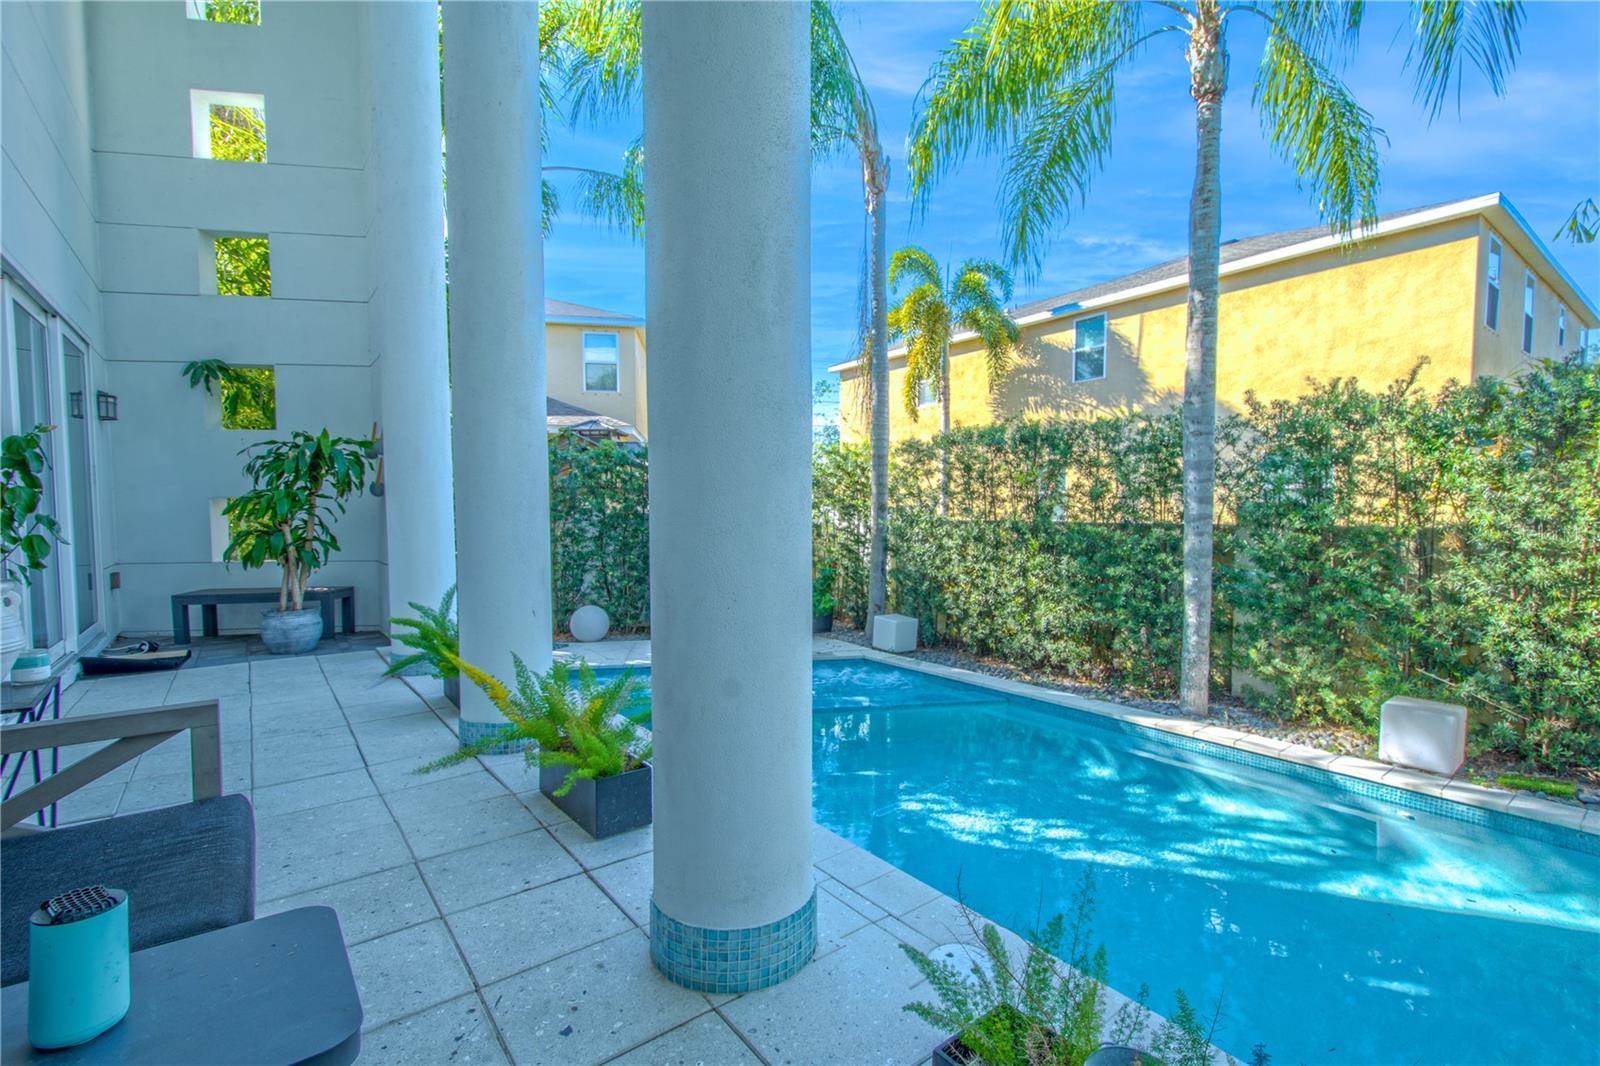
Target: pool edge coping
{"x":1584,"y":819}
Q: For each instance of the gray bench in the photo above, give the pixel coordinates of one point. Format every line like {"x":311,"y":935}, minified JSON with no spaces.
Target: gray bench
{"x":187,"y":869}
{"x":209,"y":599}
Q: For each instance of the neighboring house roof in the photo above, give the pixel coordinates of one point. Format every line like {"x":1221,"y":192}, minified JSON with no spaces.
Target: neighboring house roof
{"x":562,"y":416}
{"x":1252,"y":252}
{"x":570,"y":314}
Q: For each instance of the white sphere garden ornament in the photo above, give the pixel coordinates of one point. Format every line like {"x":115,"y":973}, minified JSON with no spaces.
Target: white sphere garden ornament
{"x":589,"y":623}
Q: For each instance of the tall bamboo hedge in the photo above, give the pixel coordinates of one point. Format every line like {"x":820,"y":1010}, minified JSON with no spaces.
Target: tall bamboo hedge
{"x":1371,"y":544}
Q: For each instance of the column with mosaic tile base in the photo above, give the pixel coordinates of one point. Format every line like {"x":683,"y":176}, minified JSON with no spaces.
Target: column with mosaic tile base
{"x":727,"y":258}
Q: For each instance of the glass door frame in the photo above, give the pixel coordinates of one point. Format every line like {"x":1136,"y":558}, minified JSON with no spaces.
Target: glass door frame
{"x":60,"y":333}
{"x":61,"y":569}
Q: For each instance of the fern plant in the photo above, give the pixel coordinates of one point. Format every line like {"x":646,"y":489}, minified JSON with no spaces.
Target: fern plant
{"x":435,"y":636}
{"x":590,"y":727}
{"x":1048,"y":1007}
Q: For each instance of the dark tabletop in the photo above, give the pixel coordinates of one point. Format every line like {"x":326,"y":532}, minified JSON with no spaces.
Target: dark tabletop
{"x":263,"y":590}
{"x":277,"y":990}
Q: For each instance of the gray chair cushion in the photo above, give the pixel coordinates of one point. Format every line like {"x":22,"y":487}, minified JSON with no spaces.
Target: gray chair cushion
{"x":187,"y":870}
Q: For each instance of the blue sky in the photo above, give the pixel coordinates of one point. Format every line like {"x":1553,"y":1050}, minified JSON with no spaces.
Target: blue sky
{"x":1539,"y":144}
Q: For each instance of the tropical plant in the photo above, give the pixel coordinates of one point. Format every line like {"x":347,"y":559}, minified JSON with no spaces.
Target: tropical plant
{"x":1037,"y":81}
{"x":600,"y":529}
{"x":822,"y":598}
{"x":1046,"y":1006}
{"x":1583,"y":225}
{"x":285,"y":518}
{"x":596,"y":45}
{"x":248,"y":397}
{"x":590,"y":727}
{"x":24,"y":531}
{"x":435,"y":635}
{"x":238,"y":133}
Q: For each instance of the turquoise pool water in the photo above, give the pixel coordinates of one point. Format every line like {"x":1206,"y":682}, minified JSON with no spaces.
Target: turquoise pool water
{"x":1334,"y":928}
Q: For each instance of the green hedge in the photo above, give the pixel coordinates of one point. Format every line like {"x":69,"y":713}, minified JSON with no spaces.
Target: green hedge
{"x":599,"y":530}
{"x":1370,"y":544}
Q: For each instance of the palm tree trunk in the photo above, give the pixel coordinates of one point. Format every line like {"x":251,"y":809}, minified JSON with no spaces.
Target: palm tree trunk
{"x":944,"y":428}
{"x":875,"y":178}
{"x":1208,"y":74}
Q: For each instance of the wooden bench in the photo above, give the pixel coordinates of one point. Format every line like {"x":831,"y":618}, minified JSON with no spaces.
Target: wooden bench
{"x":209,"y":599}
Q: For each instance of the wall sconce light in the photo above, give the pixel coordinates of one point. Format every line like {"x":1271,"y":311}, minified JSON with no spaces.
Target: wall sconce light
{"x":75,"y":404}
{"x":106,"y":406}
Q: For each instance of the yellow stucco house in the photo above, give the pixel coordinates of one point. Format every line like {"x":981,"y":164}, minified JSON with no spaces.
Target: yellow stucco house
{"x":595,"y":372}
{"x":1468,"y":286}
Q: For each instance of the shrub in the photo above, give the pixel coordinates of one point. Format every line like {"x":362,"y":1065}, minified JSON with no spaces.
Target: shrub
{"x":599,"y":530}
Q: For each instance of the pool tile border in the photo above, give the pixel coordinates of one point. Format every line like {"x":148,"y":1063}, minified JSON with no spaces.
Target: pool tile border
{"x":1518,"y":814}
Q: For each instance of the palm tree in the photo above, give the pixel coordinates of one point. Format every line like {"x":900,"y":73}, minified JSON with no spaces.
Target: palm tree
{"x":972,"y":299}
{"x":597,"y":44}
{"x":1036,"y":81}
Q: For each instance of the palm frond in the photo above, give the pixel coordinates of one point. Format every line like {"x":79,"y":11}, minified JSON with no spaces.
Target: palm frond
{"x":1311,"y":119}
{"x":604,"y":69}
{"x":1327,"y":29}
{"x":616,"y":200}
{"x":1448,"y":35}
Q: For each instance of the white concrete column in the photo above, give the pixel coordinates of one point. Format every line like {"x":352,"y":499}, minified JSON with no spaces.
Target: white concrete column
{"x":491,"y":88}
{"x":727,"y":260}
{"x":406,"y":312}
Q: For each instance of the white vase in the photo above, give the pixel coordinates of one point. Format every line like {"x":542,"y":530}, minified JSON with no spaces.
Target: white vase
{"x":13,"y":630}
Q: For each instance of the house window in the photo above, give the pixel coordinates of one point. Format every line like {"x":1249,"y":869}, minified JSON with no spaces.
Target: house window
{"x":1491,"y":314}
{"x":927,"y":392}
{"x":1527,"y":312}
{"x":230,"y":126}
{"x":250,"y":398}
{"x":1089,"y":349}
{"x":240,"y":12}
{"x":599,"y":362}
{"x":244,"y":266}
{"x":1561,"y":328}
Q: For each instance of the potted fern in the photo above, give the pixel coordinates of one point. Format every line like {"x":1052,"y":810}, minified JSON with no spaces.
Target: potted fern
{"x":585,"y":739}
{"x":284,"y":519}
{"x":436,"y":643}
{"x":822,"y":601}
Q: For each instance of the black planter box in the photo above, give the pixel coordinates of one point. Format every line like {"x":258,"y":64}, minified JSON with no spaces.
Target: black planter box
{"x":452,"y":690}
{"x":603,"y":806}
{"x":955,"y":1053}
{"x":822,"y":623}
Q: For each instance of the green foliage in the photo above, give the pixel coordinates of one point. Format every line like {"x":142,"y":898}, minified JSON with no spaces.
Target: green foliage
{"x":1583,"y":225}
{"x":242,"y":12}
{"x":1561,"y":789}
{"x":841,"y":522}
{"x":822,"y":599}
{"x":244,"y":266}
{"x":249,"y":396}
{"x":587,"y":726}
{"x":23,"y":530}
{"x":599,"y":530}
{"x":284,"y":518}
{"x":1372,"y":544}
{"x":1047,"y":1007}
{"x":934,"y":308}
{"x":435,"y":636}
{"x":238,"y":134}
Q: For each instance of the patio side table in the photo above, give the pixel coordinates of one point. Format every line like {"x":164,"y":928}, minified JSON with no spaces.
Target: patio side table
{"x":270,"y":992}
{"x":29,"y":702}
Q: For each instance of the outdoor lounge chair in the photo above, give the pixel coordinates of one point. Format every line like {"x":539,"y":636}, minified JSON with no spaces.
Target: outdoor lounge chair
{"x":187,"y":869}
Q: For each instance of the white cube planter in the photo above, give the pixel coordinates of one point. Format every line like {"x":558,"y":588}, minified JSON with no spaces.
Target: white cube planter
{"x":894,"y":632}
{"x":1424,"y":734}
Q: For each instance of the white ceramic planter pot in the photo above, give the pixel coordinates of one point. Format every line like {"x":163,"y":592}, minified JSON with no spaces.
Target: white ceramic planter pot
{"x":291,"y":632}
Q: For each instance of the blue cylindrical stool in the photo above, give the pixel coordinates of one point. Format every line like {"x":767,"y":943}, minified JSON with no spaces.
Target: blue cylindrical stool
{"x":77,"y":966}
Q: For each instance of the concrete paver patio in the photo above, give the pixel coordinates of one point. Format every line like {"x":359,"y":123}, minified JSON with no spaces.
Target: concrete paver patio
{"x":483,"y":925}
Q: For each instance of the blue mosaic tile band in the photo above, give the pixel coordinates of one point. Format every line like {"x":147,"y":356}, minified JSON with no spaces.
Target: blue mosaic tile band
{"x":471,"y":732}
{"x":733,"y":960}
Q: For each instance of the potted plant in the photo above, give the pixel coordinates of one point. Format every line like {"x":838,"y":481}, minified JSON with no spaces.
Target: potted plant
{"x":822,"y":601}
{"x":1047,"y":1007}
{"x":592,"y":755}
{"x":284,"y":519}
{"x":25,"y":534}
{"x":437,"y":643}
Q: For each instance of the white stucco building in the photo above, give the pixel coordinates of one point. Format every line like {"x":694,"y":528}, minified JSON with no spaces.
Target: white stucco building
{"x":114,"y":201}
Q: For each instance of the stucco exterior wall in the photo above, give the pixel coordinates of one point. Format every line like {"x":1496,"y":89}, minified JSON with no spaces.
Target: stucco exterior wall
{"x":1498,"y":352}
{"x":564,"y":372}
{"x":1370,"y":314}
{"x":156,"y":206}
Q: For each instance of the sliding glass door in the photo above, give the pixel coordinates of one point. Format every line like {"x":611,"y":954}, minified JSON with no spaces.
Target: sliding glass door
{"x":81,"y":409}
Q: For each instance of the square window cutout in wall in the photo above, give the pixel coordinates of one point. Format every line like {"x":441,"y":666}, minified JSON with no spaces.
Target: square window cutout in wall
{"x":231,"y":126}
{"x":249,"y":398}
{"x":238,"y":264}
{"x":224,"y":528}
{"x":240,"y":12}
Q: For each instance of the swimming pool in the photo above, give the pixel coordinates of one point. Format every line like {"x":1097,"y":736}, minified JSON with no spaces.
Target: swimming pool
{"x":1336,"y":924}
